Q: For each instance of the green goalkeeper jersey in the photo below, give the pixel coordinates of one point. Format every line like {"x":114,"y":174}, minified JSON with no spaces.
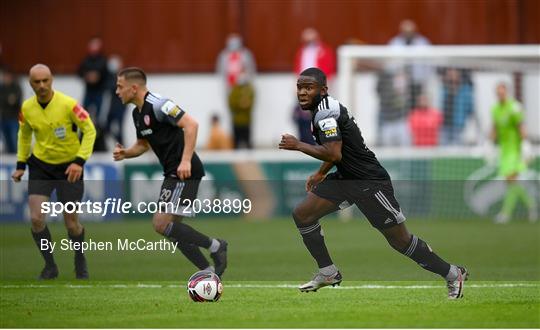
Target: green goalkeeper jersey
{"x":507,"y":117}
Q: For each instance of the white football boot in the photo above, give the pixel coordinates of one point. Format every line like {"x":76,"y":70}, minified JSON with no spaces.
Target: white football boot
{"x":455,"y":288}
{"x":321,"y":280}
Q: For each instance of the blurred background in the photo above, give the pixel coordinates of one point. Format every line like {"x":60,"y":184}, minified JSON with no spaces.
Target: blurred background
{"x":232,"y":64}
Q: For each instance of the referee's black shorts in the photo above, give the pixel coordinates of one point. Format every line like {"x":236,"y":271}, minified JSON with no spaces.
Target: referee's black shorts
{"x":375,"y":198}
{"x":44,"y":178}
{"x":177,"y":196}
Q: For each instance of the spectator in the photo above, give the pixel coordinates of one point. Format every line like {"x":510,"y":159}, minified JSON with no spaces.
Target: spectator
{"x":417,"y":73}
{"x":457,"y":105}
{"x":312,"y":53}
{"x":114,"y":108}
{"x":391,"y":88}
{"x":10,"y":104}
{"x":409,"y":35}
{"x":315,"y":53}
{"x":93,"y":70}
{"x":236,"y":66}
{"x":218,"y":138}
{"x":424,"y":123}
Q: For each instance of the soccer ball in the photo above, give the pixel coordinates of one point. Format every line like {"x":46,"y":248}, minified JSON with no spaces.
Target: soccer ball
{"x":204,"y":286}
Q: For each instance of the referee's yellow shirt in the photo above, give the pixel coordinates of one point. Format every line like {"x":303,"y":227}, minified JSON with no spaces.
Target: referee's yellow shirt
{"x":56,"y":137}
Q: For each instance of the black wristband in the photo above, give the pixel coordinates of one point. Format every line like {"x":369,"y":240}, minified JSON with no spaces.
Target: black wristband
{"x":21,"y":165}
{"x":79,"y":161}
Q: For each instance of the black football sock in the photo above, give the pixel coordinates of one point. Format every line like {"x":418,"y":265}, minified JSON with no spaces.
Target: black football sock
{"x":181,"y":232}
{"x":424,"y":256}
{"x":313,"y":238}
{"x":77,"y":248}
{"x":193,"y":253}
{"x":46,"y":252}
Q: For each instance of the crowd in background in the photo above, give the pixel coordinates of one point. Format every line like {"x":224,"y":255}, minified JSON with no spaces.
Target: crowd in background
{"x":406,"y":113}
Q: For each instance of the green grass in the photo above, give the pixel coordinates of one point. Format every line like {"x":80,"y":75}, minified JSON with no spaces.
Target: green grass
{"x":271,"y":253}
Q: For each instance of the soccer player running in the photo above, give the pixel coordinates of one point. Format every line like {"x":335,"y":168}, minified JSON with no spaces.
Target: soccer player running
{"x":359,"y":179}
{"x":508,"y":132}
{"x":171,"y":133}
{"x":55,"y":163}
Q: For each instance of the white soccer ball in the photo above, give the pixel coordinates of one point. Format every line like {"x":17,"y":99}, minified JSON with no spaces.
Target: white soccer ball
{"x":204,"y":286}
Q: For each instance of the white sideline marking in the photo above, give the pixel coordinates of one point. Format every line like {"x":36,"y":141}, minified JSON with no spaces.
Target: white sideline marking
{"x":265,"y":286}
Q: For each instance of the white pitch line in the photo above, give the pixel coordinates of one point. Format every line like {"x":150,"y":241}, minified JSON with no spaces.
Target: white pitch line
{"x":376,"y":286}
{"x":264,"y":286}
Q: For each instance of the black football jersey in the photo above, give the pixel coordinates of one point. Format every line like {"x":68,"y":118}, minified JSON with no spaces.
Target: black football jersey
{"x":333,"y":122}
{"x":157,"y":122}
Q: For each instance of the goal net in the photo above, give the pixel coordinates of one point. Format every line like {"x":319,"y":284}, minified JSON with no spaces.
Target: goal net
{"x":427,"y":113}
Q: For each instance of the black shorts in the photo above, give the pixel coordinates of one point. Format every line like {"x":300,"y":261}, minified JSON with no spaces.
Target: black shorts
{"x":177,"y":196}
{"x":375,"y":198}
{"x":44,"y":178}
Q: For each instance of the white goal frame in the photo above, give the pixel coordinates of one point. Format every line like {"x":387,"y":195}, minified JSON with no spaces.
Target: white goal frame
{"x":348,"y":53}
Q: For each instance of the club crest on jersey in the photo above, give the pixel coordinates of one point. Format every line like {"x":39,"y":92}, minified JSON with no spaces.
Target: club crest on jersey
{"x":146,"y":120}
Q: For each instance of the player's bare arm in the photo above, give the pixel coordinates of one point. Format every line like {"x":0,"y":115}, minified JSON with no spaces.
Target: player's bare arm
{"x":327,"y":152}
{"x":190,"y":127}
{"x":137,"y":149}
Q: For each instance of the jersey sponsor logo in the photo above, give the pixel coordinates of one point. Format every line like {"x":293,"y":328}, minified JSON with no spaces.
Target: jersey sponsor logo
{"x":146,"y":120}
{"x":330,"y":133}
{"x":146,"y":132}
{"x":80,"y":112}
{"x":170,"y":109}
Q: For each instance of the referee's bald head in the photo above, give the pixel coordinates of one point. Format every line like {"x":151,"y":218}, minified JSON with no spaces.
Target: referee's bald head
{"x":39,"y":69}
{"x":133,"y":74}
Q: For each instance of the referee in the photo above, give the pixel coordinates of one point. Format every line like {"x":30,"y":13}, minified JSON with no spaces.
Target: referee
{"x":55,"y":162}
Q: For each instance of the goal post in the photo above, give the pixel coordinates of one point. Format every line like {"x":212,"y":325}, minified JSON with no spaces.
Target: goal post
{"x":479,"y":61}
{"x":456,"y":174}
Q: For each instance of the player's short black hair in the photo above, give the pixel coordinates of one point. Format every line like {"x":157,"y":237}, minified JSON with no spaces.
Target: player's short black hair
{"x":133,"y":73}
{"x":316,"y":73}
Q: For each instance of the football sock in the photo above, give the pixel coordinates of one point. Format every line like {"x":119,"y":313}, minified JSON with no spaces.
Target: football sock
{"x":313,"y":238}
{"x":194,"y":254}
{"x":181,"y":232}
{"x":77,"y":239}
{"x":214,"y":246}
{"x":421,"y":252}
{"x":45,"y":234}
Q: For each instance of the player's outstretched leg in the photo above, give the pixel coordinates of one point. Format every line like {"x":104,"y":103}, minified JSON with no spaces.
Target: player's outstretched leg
{"x":42,"y":236}
{"x":306,"y":217}
{"x":193,"y":253}
{"x":180,"y":232}
{"x":413,"y":247}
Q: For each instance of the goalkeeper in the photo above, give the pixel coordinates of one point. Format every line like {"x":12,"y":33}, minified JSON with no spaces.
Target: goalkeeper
{"x":508,"y":132}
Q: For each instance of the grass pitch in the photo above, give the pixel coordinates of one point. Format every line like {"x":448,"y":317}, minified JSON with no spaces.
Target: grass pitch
{"x":381,"y":288}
